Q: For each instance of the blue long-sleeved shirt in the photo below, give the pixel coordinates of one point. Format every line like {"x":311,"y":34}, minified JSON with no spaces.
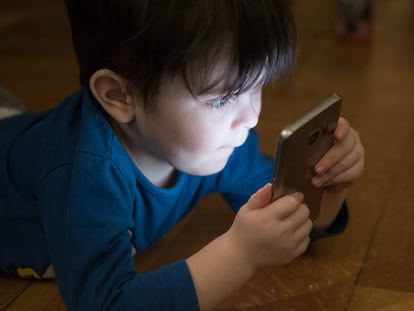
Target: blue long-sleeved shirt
{"x":70,"y":196}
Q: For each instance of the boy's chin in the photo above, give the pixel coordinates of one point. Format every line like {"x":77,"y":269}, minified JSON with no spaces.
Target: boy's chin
{"x":208,"y":169}
{"x":207,"y":165}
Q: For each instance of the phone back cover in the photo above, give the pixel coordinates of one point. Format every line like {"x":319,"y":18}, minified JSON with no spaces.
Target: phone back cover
{"x":300,"y":146}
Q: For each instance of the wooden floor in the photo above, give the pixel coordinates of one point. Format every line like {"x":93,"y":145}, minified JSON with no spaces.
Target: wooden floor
{"x":371,"y":266}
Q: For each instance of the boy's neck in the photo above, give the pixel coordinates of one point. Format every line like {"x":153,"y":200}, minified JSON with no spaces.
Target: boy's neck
{"x":161,"y":175}
{"x":158,"y":172}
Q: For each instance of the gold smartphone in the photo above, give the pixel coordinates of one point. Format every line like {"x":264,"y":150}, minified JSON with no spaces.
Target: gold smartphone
{"x":301,"y":144}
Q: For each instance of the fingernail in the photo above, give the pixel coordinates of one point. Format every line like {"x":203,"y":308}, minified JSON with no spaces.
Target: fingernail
{"x":317,"y":181}
{"x":299,"y":196}
{"x":320,"y":169}
{"x":339,"y":135}
{"x":264,"y":187}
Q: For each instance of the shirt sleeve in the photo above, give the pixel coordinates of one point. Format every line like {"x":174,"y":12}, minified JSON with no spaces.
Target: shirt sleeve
{"x":87,"y":219}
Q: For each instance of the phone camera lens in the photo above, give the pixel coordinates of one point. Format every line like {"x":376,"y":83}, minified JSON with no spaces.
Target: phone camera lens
{"x":314,"y":137}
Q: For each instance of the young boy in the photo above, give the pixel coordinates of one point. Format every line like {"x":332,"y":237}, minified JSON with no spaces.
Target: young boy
{"x":171,"y":93}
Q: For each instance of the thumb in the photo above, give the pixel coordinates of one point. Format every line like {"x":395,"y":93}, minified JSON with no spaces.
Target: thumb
{"x":261,"y":198}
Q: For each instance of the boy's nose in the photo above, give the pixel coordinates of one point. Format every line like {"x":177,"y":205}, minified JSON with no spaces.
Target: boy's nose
{"x":248,"y":109}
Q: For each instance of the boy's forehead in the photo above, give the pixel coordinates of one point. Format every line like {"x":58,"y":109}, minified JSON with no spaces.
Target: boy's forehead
{"x":216,"y":77}
{"x":217,"y":73}
{"x":222,"y":78}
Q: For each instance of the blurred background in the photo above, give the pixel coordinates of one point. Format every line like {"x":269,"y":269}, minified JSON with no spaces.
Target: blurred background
{"x":370,"y":266}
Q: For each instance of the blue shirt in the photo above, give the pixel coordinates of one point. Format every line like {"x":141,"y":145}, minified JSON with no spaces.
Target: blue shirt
{"x":71,"y":196}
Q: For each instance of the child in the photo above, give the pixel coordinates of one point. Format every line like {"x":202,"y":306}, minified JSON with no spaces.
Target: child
{"x":171,"y":93}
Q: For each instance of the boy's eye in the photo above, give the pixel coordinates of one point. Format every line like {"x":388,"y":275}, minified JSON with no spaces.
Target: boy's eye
{"x":217,"y":103}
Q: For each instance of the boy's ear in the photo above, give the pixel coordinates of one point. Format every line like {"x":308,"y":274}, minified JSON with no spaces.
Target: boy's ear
{"x":110,"y":90}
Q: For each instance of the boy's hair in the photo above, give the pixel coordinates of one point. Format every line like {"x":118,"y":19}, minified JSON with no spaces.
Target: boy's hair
{"x":149,"y":41}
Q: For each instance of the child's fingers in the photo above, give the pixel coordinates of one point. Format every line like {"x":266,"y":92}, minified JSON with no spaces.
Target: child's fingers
{"x":346,"y":177}
{"x":301,"y":224}
{"x":302,"y":246}
{"x":285,"y":206}
{"x":350,"y":160}
{"x":343,"y":163}
{"x":297,"y":219}
{"x":342,"y":129}
{"x":303,"y":231}
{"x":335,"y":154}
{"x":261,"y":198}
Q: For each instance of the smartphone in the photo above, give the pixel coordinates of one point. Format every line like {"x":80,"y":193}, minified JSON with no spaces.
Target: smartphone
{"x":301,"y":144}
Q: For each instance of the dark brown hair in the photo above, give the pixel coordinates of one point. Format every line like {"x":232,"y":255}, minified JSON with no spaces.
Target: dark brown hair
{"x":148,"y":41}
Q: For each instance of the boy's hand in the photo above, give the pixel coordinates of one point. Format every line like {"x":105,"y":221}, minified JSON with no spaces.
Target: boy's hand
{"x":271,"y":234}
{"x":262,"y":233}
{"x":343,"y":163}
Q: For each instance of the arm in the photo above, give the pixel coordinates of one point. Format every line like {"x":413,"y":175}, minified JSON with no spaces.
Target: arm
{"x":90,"y":246}
{"x":330,"y":207}
{"x":229,"y":261}
{"x":218,"y":269}
{"x":262,"y":234}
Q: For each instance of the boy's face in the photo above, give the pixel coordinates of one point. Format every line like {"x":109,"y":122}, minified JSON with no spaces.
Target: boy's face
{"x":195,"y":135}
